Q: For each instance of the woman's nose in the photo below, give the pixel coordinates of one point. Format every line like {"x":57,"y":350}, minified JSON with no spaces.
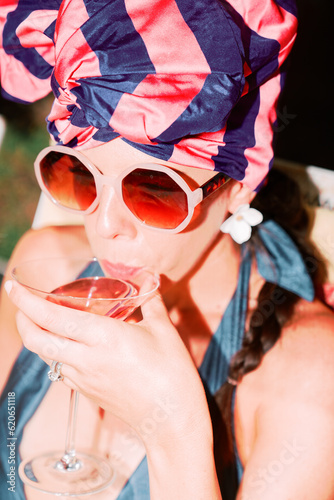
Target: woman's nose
{"x":113,"y":218}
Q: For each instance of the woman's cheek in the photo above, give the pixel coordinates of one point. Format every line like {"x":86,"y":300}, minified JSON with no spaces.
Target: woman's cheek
{"x":172,"y":255}
{"x":88,"y":223}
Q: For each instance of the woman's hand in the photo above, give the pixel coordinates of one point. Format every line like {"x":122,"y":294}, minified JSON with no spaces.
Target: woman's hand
{"x":141,"y":372}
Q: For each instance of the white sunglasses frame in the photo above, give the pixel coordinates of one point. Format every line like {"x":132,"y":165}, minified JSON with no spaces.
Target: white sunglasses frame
{"x":194,"y":198}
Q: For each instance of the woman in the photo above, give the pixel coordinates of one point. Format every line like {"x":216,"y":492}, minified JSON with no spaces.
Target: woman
{"x":214,"y":109}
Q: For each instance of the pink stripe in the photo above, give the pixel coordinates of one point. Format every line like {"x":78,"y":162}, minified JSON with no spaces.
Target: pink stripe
{"x":72,"y":14}
{"x":153,"y":107}
{"x":74,"y":57}
{"x":31,"y":33}
{"x":164,"y":31}
{"x":329,"y":293}
{"x":260,"y":155}
{"x":67,"y":131}
{"x":247,"y":72}
{"x":18,"y":82}
{"x":66,"y":98}
{"x":89,"y":143}
{"x":85,"y":135}
{"x":13,"y":72}
{"x":198,"y":151}
{"x":59,"y":115}
{"x":270,"y":21}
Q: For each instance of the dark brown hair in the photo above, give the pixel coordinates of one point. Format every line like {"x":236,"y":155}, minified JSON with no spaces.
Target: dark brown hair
{"x":280,"y":200}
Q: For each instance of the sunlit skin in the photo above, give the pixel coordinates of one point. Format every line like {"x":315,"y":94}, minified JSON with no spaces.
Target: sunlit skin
{"x":126,"y":368}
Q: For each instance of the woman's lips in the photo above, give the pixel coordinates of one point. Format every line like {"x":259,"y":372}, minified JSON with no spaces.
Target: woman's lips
{"x":119,"y":269}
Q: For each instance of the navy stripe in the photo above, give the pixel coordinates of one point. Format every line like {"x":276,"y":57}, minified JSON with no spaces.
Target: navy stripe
{"x":123,"y":59}
{"x":211,"y":26}
{"x":212,"y":106}
{"x":257,"y":50}
{"x":105,"y":134}
{"x":161,"y":151}
{"x":119,"y":48}
{"x":288,"y":5}
{"x":11,"y":98}
{"x":99,"y":96}
{"x":29,"y":57}
{"x":239,"y":136}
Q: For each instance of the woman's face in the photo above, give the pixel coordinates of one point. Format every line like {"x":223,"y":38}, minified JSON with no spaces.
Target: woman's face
{"x":117,"y":237}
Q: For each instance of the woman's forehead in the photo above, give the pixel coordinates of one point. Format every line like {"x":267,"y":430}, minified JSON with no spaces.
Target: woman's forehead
{"x":115,"y":156}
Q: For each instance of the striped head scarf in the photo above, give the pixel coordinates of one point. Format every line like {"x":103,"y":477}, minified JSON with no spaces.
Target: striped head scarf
{"x":194,"y":82}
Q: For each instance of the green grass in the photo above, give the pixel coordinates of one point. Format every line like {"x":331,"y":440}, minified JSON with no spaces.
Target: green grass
{"x":19,"y":191}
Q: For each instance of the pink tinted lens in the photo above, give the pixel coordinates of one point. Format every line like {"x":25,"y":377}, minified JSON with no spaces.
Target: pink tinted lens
{"x":68,"y":181}
{"x":155,"y":198}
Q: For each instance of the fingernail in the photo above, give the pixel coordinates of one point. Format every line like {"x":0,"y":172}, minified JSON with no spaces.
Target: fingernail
{"x":8,"y":286}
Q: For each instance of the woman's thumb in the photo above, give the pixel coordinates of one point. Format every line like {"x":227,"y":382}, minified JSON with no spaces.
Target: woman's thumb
{"x":154,"y":307}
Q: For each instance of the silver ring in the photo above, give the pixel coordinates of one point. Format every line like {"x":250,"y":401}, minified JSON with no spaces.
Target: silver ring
{"x":54,"y":374}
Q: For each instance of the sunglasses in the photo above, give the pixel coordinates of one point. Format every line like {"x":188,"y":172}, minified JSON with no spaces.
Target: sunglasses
{"x":155,"y":194}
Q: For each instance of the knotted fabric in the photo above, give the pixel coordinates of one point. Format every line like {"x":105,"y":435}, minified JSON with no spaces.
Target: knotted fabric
{"x":194,"y":82}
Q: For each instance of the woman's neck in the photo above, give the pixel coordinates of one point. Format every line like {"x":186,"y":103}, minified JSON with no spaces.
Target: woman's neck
{"x":197,"y":303}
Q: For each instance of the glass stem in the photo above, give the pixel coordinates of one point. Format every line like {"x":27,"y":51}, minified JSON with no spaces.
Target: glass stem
{"x":69,"y":461}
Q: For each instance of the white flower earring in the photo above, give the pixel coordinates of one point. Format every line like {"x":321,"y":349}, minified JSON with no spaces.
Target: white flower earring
{"x":239,"y":225}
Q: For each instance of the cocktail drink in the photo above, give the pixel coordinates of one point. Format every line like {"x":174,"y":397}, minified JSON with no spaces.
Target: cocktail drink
{"x":79,"y":284}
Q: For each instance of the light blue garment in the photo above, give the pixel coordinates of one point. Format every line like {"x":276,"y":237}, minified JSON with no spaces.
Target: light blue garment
{"x":280,"y":263}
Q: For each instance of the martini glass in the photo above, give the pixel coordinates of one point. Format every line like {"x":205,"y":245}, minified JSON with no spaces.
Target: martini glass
{"x":80,"y":284}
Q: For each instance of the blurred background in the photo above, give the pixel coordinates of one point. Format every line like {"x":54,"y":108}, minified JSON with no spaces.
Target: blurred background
{"x":24,"y":136}
{"x":304,"y":126}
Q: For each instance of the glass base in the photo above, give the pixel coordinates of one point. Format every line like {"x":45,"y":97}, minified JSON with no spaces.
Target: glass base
{"x":90,"y":474}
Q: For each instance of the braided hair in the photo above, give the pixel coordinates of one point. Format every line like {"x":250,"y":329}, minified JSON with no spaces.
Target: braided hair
{"x":280,"y":200}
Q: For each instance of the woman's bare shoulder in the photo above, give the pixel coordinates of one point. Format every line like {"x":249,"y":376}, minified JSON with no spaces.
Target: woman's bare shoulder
{"x":306,"y":343}
{"x":51,"y":241}
{"x":304,"y":350}
{"x":300,"y":361}
{"x":291,"y":400}
{"x":296,"y":376}
{"x":310,"y":330}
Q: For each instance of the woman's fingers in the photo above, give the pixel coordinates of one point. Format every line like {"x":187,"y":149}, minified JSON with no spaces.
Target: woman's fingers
{"x":156,"y":317}
{"x":63,"y":321}
{"x":47,"y":345}
{"x":154,"y":308}
{"x":50,"y":347}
